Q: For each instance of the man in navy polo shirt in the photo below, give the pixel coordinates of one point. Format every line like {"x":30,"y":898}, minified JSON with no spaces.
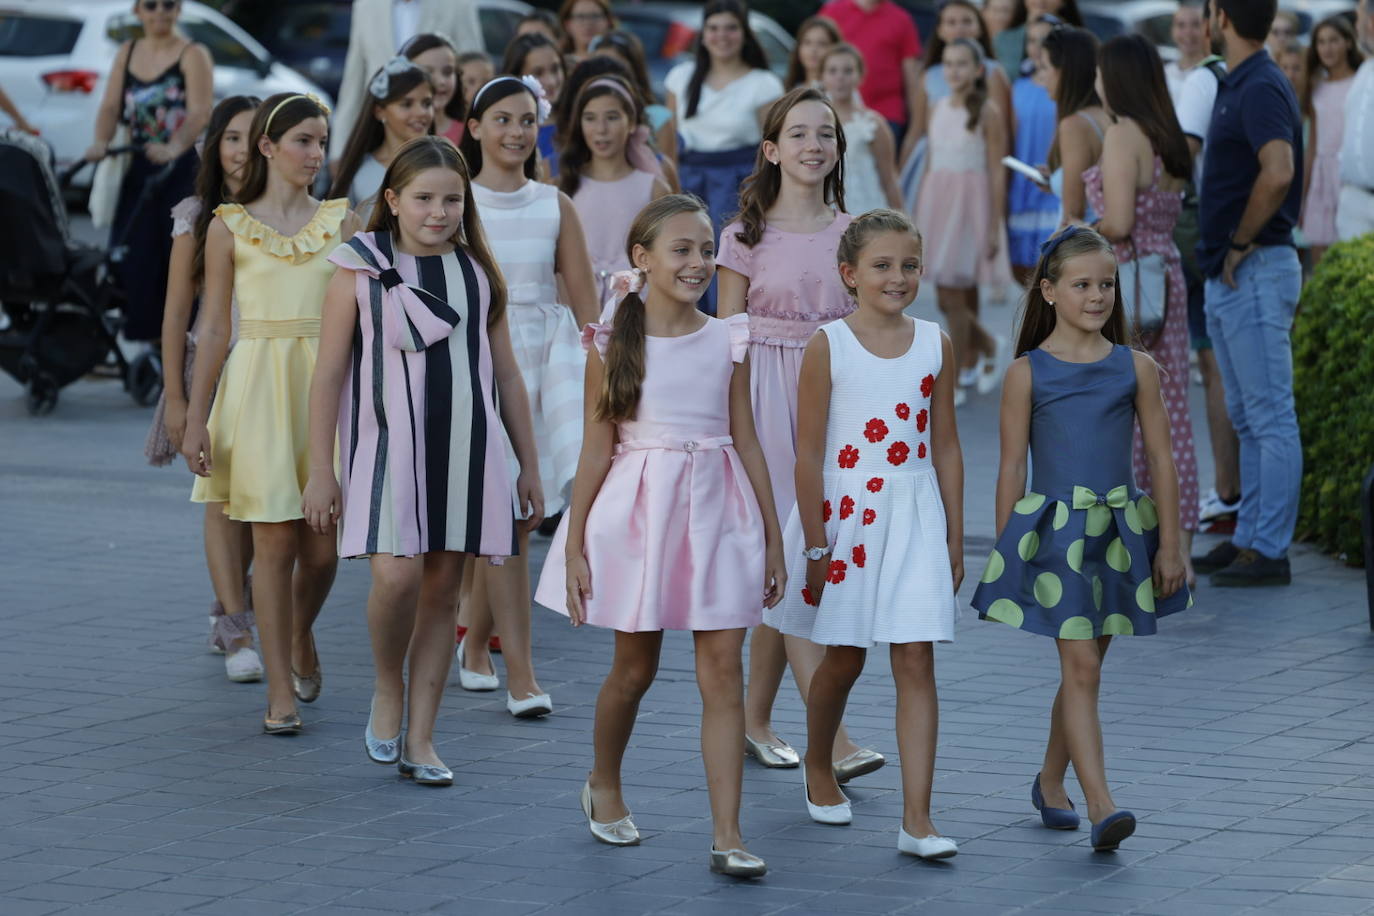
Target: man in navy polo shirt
{"x":1251,"y":196}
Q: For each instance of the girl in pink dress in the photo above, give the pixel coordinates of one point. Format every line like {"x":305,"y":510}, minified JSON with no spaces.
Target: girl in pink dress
{"x":672,"y":524}
{"x":962,"y":208}
{"x":1332,"y":60}
{"x":415,"y":355}
{"x":608,"y":170}
{"x":777,"y":266}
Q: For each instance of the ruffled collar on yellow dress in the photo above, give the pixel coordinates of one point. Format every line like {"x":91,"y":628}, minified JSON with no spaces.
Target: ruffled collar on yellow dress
{"x":297,"y":249}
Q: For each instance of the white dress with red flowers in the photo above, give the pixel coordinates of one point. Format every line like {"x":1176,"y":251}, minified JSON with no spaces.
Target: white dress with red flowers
{"x":889,"y":577}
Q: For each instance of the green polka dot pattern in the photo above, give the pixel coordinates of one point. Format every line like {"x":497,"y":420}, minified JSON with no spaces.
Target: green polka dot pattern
{"x":1118,"y":557}
{"x":1145,"y":596}
{"x":995,"y":567}
{"x":1061,"y":515}
{"x":1118,"y":625}
{"x":1006,"y":611}
{"x":1076,"y":628}
{"x":1149,"y":517}
{"x":1029,"y":546}
{"x":1048,"y":589}
{"x":1029,"y":503}
{"x":1099,"y":520}
{"x":1133,"y":519}
{"x":1074,"y":556}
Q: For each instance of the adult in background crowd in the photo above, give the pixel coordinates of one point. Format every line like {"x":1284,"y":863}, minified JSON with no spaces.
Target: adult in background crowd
{"x":160,"y":87}
{"x":1328,"y":77}
{"x":887,"y":38}
{"x":378,"y":30}
{"x":1284,"y":30}
{"x":1009,"y":45}
{"x":1189,"y":33}
{"x":1355,"y":209}
{"x":583,"y":21}
{"x":1252,"y":193}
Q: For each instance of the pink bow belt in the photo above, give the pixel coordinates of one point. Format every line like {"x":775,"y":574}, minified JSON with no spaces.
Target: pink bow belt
{"x":673,"y":444}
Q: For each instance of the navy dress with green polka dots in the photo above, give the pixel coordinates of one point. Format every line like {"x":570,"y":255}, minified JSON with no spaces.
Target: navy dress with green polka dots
{"x":1076,"y":556}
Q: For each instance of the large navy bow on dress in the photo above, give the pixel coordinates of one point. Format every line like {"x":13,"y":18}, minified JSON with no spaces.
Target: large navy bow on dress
{"x":413,"y":318}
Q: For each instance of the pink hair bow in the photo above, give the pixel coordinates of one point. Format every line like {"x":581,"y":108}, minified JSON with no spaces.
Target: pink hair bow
{"x":622,"y":283}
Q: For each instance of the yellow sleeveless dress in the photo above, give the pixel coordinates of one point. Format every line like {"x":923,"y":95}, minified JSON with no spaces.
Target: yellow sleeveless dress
{"x":259,"y":423}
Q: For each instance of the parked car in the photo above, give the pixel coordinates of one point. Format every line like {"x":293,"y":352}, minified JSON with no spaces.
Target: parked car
{"x":55,"y":56}
{"x":311,"y":36}
{"x":1151,"y":18}
{"x":669,"y":33}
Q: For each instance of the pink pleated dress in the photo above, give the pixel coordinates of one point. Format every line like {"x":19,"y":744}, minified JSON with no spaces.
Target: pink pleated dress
{"x":674,"y":539}
{"x":794,"y":288}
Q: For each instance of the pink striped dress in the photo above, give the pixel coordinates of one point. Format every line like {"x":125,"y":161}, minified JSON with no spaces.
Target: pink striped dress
{"x":422,"y":447}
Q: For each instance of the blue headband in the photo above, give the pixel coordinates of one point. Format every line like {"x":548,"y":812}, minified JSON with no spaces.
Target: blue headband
{"x":1048,"y":246}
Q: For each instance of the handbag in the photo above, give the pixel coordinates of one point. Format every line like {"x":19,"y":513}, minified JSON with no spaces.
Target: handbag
{"x":1146,"y":281}
{"x":108,"y":179}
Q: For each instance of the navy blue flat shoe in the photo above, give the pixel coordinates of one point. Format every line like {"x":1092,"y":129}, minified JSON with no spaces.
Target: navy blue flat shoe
{"x":1053,"y":818}
{"x":1112,"y":829}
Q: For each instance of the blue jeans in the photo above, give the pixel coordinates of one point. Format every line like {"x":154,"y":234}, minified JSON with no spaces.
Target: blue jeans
{"x":1249,"y":327}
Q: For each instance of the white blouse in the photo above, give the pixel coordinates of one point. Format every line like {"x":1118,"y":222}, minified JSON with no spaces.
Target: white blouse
{"x":726,"y":118}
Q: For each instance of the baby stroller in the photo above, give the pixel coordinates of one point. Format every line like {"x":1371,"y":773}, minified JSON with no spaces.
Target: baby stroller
{"x":57,"y":293}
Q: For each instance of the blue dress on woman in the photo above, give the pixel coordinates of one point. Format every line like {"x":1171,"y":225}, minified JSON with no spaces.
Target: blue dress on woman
{"x":1076,"y":558}
{"x":1032,"y":213}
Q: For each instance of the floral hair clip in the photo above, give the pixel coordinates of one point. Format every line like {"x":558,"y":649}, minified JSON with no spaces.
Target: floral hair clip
{"x":380,"y":87}
{"x":541,"y":98}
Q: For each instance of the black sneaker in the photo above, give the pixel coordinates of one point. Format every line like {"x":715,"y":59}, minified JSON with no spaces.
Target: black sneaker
{"x":1251,"y":569}
{"x":1216,"y":559}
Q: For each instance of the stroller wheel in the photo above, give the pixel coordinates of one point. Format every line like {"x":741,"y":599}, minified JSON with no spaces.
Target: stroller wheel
{"x":41,"y":397}
{"x":145,"y":379}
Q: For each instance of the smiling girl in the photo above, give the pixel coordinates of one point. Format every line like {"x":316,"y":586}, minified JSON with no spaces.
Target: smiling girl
{"x":1332,"y":60}
{"x":250,"y":450}
{"x":436,"y":55}
{"x":402,"y":108}
{"x":409,"y":377}
{"x":535,"y":56}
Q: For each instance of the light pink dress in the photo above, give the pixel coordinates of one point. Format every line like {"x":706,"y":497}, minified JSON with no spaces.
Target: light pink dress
{"x":608,"y":208}
{"x":1319,"y":210}
{"x":954,"y":206}
{"x":794,"y":288}
{"x":674,"y":539}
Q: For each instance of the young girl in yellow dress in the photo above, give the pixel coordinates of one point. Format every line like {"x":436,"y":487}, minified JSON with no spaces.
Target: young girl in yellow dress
{"x":250,"y":450}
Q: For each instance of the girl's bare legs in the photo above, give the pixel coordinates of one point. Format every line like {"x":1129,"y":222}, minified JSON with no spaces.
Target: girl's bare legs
{"x":228,"y":554}
{"x":951,"y":303}
{"x":1076,"y":731}
{"x":805,"y":656}
{"x":980,"y":341}
{"x":318,"y":560}
{"x":767,"y":664}
{"x":918,"y":724}
{"x":391,"y":604}
{"x":465,"y":591}
{"x":431,"y":652}
{"x":501,"y":595}
{"x":617,"y":705}
{"x":275,"y":545}
{"x":825,"y":702}
{"x":720,"y":680}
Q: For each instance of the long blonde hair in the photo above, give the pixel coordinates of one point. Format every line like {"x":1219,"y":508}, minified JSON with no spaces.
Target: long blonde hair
{"x":623,"y":380}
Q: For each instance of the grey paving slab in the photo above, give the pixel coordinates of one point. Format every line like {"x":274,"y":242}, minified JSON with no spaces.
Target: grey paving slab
{"x":133,"y":778}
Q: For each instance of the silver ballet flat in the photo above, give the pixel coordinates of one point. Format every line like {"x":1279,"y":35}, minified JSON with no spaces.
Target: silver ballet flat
{"x":616,"y":833}
{"x":424,"y":774}
{"x":779,"y":756}
{"x":737,"y":863}
{"x":860,"y":763}
{"x":307,"y":687}
{"x":385,"y":752}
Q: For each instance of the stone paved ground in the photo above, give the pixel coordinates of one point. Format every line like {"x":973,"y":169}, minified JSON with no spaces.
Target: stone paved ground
{"x":133,"y":778}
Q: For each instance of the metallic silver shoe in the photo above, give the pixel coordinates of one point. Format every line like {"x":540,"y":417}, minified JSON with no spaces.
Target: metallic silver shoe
{"x":779,"y":756}
{"x":424,"y":774}
{"x":307,"y":687}
{"x":737,"y":863}
{"x":860,"y":763}
{"x":386,"y":752}
{"x":616,"y":833}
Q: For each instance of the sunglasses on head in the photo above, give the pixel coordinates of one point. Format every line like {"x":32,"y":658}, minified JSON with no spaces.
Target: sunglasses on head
{"x":167,"y":5}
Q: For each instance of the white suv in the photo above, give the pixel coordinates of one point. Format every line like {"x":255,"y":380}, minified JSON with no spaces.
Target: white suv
{"x":56,"y":55}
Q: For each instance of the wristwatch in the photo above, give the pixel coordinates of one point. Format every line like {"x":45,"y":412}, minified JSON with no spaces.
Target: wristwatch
{"x":1237,"y":246}
{"x":816,"y":553}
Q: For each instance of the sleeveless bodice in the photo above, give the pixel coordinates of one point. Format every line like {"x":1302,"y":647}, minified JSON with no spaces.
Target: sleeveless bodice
{"x":1156,"y":214}
{"x":1082,"y":418}
{"x":266,"y":292}
{"x":154,"y":109}
{"x":953,"y":147}
{"x":522,"y":229}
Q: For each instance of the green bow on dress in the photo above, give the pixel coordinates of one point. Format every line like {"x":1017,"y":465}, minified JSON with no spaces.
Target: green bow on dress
{"x":1100,"y":507}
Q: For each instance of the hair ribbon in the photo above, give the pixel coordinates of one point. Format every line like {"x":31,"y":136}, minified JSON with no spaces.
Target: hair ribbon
{"x":310,"y":96}
{"x":1048,"y":246}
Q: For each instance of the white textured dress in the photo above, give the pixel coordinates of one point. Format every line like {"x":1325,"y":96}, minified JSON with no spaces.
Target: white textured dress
{"x":522,"y":229}
{"x":862,"y":189}
{"x":889,"y":578}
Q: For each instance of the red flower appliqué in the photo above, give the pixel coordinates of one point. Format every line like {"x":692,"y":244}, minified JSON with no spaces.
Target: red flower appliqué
{"x":922,"y":419}
{"x":846,"y":507}
{"x":849,"y":456}
{"x":897,"y":453}
{"x":825,"y":511}
{"x":836,"y":574}
{"x":875,"y":430}
{"x":807,"y":596}
{"x":921,"y":450}
{"x":860,"y":556}
{"x":903,"y":412}
{"x":927,"y":386}
{"x":875,"y":484}
{"x":870,"y":516}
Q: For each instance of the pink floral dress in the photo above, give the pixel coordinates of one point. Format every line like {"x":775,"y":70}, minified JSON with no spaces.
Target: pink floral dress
{"x":1156,"y":212}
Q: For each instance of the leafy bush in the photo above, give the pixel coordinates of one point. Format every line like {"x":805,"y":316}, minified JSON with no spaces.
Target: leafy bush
{"x":1333,"y":380}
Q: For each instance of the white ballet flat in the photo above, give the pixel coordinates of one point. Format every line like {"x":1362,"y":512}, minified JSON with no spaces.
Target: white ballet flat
{"x":988,"y":365}
{"x":531,"y":707}
{"x":474,"y":680}
{"x":927,"y":847}
{"x":835,"y":815}
{"x":615,"y":833}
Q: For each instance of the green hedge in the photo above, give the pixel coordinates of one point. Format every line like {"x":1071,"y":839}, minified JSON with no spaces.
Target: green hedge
{"x":1333,"y":380}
